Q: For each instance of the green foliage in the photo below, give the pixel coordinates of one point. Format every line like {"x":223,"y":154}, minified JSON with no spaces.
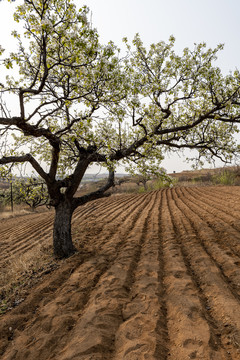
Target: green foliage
{"x":225,"y":177}
{"x":142,"y":190}
{"x":184,"y":93}
{"x":161,"y":182}
{"x":80,"y":103}
{"x":164,"y":183}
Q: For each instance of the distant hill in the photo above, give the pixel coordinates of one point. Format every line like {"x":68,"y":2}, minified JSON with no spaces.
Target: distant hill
{"x":97,"y":177}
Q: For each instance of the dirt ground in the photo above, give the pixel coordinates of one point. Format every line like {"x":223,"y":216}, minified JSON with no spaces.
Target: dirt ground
{"x":157,"y":276}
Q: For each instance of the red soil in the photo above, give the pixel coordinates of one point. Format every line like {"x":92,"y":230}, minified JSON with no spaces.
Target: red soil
{"x":157,"y":276}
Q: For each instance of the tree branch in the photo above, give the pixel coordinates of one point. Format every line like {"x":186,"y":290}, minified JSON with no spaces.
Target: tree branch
{"x":29,"y":129}
{"x":25,"y":158}
{"x":100,"y":193}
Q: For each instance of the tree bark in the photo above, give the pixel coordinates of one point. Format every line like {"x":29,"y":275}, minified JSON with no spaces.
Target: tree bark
{"x":62,"y":236}
{"x":64,"y":208}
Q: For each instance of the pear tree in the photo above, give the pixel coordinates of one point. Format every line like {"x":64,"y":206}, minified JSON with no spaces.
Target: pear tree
{"x":72,"y":102}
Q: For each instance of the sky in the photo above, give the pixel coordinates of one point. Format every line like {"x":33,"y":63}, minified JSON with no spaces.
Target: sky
{"x":190,"y":21}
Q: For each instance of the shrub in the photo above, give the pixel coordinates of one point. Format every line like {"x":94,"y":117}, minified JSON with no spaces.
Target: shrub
{"x":225,"y":177}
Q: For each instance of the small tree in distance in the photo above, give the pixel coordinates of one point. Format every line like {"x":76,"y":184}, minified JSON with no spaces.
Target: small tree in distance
{"x":142,"y":173}
{"x":79,"y":103}
{"x":32,"y":192}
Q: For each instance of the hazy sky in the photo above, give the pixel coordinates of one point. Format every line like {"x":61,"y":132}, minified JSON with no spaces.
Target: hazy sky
{"x":190,"y":21}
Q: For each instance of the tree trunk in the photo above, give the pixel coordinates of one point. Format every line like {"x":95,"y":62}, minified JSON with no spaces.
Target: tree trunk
{"x":62,"y":237}
{"x":144,"y":182}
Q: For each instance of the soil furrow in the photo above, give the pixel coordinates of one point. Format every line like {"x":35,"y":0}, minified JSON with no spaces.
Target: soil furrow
{"x":52,"y":304}
{"x":227,"y":213}
{"x":26,"y":244}
{"x":94,"y":334}
{"x":215,"y":291}
{"x":191,"y":333}
{"x":57,"y":311}
{"x":140,"y":335}
{"x":95,"y":207}
{"x":157,"y":276}
{"x":25,"y":228}
{"x":100,"y":210}
{"x":113,"y":212}
{"x":224,"y":231}
{"x":101,"y":237}
{"x":228,"y":265}
{"x":219,"y":195}
{"x":32,"y":234}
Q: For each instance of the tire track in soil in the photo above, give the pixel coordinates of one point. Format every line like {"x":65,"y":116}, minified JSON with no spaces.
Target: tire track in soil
{"x":190,"y":332}
{"x":143,"y":334}
{"x":228,"y":237}
{"x":51,"y":317}
{"x":222,"y":306}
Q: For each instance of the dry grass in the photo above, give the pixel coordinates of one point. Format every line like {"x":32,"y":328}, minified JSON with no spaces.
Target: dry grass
{"x":127,"y":187}
{"x":19,"y":274}
{"x":19,"y":210}
{"x":9,"y":214}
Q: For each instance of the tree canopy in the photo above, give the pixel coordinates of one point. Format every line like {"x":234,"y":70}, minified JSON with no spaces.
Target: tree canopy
{"x":79,"y":102}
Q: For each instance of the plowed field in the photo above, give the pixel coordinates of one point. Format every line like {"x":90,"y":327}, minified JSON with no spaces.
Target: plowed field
{"x":157,"y":277}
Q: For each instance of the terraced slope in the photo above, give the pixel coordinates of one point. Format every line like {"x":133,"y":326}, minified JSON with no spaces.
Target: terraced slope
{"x":157,"y":277}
